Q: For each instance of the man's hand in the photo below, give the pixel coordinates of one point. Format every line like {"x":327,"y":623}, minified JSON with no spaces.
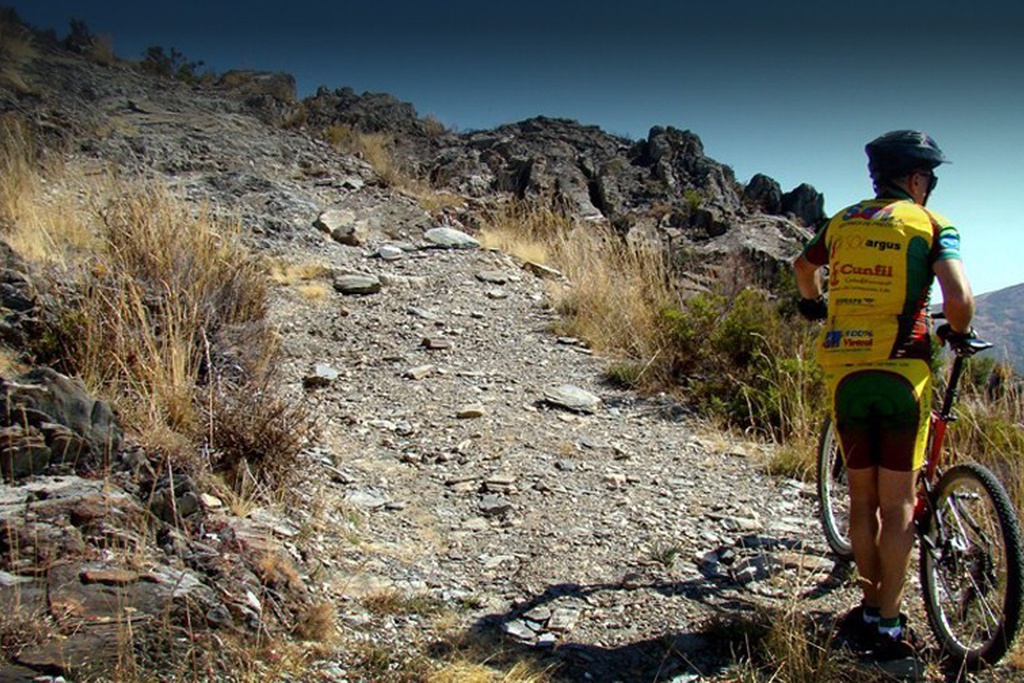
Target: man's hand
{"x":945,"y":333}
{"x":813,"y":309}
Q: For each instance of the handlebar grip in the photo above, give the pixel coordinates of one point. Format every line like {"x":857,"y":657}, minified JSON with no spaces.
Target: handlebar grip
{"x":963,"y":343}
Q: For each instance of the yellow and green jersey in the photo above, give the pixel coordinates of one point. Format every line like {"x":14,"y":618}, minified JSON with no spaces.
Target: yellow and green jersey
{"x":880,"y":254}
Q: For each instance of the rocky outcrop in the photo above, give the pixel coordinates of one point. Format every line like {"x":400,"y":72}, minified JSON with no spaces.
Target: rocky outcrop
{"x":369,"y":112}
{"x":269,"y":96}
{"x":805,"y":204}
{"x":18,"y":300}
{"x":47,"y":420}
{"x":764,"y":193}
{"x":79,"y":562}
{"x":663,"y":188}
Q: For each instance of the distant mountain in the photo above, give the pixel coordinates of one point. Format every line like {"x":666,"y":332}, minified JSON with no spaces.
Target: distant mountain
{"x":999,"y":318}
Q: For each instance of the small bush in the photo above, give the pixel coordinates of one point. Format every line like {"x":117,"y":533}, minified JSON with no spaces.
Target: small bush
{"x":433,"y":128}
{"x":16,"y":44}
{"x":79,"y":38}
{"x":21,"y":628}
{"x":101,"y":51}
{"x":173,"y":64}
{"x":16,"y":50}
{"x":626,"y":374}
{"x":693,"y":199}
{"x":376,"y":149}
{"x":257,"y":435}
{"x":317,"y":623}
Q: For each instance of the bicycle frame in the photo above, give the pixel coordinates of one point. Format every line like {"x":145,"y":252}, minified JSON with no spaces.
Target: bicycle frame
{"x":937,"y":425}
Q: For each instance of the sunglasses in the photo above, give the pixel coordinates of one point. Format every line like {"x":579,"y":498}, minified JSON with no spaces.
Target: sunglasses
{"x":932,"y":180}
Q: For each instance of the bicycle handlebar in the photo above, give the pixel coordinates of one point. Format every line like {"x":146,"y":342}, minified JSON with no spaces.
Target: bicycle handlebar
{"x":962,"y":343}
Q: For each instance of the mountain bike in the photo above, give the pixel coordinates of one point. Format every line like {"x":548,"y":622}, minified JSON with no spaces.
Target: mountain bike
{"x":971,"y":560}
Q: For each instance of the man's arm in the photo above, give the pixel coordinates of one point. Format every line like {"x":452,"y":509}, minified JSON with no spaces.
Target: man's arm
{"x":957,"y":299}
{"x":808,"y":283}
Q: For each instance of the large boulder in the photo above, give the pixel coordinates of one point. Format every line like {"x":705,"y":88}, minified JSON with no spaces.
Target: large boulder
{"x":805,"y":203}
{"x":764,"y":193}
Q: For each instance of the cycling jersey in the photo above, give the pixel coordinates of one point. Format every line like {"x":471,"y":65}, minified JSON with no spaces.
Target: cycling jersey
{"x":880,"y":254}
{"x":875,"y":347}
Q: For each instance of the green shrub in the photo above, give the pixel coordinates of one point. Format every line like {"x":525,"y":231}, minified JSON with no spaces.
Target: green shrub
{"x":693,"y":199}
{"x":625,"y":374}
{"x":742,"y":360}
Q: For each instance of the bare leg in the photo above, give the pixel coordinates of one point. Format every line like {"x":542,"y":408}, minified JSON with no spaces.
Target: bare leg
{"x":864,"y":531}
{"x":896,"y":493}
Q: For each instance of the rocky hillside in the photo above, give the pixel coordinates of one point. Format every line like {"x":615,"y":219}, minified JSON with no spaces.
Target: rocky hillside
{"x":663,"y":188}
{"x":476,"y":491}
{"x":1000,"y":319}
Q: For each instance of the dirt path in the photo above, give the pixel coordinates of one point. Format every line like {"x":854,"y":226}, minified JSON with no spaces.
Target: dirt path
{"x":617,"y":535}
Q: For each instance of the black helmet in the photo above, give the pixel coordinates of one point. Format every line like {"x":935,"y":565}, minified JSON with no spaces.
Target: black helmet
{"x":899,"y":152}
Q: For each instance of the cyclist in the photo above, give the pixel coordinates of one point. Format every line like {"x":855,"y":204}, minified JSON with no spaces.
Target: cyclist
{"x":882,"y":256}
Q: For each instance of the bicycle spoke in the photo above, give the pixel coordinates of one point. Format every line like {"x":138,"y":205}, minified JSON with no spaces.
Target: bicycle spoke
{"x":965,"y":571}
{"x":974,"y":548}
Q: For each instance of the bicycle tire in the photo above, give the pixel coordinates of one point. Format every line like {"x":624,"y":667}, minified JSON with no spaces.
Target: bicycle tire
{"x":833,"y":493}
{"x":971,"y":566}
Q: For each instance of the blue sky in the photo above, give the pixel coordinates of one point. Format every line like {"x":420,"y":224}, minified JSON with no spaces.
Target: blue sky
{"x":790,"y":89}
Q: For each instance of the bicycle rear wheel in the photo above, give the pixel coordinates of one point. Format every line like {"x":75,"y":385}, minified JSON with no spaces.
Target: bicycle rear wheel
{"x":833,"y":493}
{"x":971,"y":565}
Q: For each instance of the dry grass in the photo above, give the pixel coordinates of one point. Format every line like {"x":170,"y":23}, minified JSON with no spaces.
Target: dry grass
{"x":21,"y":628}
{"x":469,"y":672}
{"x":379,"y":150}
{"x":165,"y":284}
{"x":784,"y":644}
{"x":990,"y":429}
{"x":317,"y":623}
{"x":101,"y":51}
{"x":304,"y":277}
{"x":161,"y":311}
{"x":51,"y":210}
{"x":617,"y":290}
{"x":733,"y":352}
{"x":291,"y":274}
{"x":10,"y":362}
{"x":432,"y":127}
{"x":376,"y":149}
{"x":391,"y":601}
{"x":16,"y":50}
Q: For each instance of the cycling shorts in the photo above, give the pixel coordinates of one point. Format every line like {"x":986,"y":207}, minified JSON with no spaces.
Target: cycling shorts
{"x":881,"y":412}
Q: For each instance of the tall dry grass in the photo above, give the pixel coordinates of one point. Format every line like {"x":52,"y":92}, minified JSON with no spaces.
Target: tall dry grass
{"x":165,"y":282}
{"x":617,"y":290}
{"x":376,"y":149}
{"x":380,"y":151}
{"x":17,"y":49}
{"x":50,"y":211}
{"x":160,"y":309}
{"x":990,"y":424}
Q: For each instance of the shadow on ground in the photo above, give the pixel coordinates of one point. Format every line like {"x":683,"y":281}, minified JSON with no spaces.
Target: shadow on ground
{"x":697,"y":651}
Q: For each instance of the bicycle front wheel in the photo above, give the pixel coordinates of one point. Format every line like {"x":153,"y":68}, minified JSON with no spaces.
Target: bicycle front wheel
{"x":971,"y":565}
{"x":833,"y":493}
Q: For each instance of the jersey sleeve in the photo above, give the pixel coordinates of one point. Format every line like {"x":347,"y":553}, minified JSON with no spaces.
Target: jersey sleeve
{"x":816,"y":250}
{"x":946,"y":244}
